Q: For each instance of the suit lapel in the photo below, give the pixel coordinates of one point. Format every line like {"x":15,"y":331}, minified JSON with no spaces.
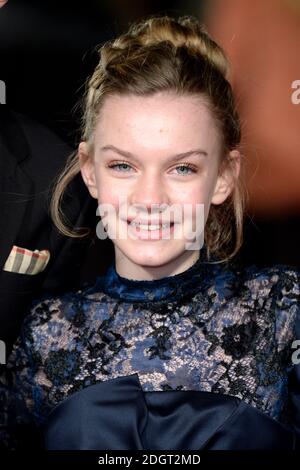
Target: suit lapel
{"x":15,"y":185}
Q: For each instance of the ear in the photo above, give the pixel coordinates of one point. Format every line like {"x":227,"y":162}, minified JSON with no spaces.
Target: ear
{"x":87,"y":169}
{"x":225,"y":182}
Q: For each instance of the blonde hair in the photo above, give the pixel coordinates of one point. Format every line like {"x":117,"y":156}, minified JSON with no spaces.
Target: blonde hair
{"x":156,"y":54}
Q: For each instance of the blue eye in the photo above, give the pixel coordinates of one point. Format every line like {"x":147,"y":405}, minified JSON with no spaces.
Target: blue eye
{"x":121,"y":164}
{"x":186,"y":167}
{"x":124,"y":167}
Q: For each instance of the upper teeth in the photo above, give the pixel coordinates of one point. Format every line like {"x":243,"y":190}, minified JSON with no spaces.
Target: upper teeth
{"x":149,"y":227}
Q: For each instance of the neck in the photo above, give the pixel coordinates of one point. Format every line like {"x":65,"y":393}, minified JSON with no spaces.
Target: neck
{"x":152,"y":270}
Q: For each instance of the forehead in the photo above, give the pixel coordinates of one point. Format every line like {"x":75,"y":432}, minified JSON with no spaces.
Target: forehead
{"x":163,"y":120}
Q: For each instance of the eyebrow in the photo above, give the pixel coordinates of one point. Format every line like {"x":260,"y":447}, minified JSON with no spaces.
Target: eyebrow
{"x":124,"y":153}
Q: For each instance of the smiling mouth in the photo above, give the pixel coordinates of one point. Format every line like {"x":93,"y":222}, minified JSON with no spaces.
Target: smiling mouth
{"x":150,"y":227}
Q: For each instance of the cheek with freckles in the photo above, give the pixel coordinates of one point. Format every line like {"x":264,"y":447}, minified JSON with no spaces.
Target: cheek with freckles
{"x":107,"y":191}
{"x":197,"y":200}
{"x":197,"y":195}
{"x":108,"y":195}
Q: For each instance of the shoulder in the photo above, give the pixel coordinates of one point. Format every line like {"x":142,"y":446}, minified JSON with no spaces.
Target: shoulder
{"x":40,"y":137}
{"x":274,"y":288}
{"x":29,"y":142}
{"x":266,"y":291}
{"x":280,"y":280}
{"x":267,"y":298}
{"x":36,"y":135}
{"x":48,"y":152}
{"x":277,"y":290}
{"x":58,"y":319}
{"x":246,"y":282}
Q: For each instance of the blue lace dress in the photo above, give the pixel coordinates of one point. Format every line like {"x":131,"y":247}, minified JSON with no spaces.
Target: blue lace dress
{"x":205,"y":359}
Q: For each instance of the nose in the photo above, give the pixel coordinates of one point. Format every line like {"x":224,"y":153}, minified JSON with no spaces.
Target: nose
{"x":149,"y":193}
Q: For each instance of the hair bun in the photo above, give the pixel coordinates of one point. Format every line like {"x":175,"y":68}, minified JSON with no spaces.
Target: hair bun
{"x":184,"y":31}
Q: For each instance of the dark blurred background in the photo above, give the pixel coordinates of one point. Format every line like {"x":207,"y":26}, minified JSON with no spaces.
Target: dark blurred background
{"x":47,"y":50}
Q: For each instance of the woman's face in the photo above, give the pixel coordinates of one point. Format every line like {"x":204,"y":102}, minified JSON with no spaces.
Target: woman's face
{"x":160,"y":152}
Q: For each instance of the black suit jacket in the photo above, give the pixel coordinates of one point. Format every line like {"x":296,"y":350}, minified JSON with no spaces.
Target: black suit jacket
{"x":30,"y":158}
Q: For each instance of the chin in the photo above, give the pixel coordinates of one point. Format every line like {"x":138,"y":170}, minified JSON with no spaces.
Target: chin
{"x":153,"y":257}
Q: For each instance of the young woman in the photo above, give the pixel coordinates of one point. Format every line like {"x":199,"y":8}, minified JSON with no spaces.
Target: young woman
{"x":176,"y":346}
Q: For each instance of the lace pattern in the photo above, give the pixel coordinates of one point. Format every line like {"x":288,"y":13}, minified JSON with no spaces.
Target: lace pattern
{"x":229,"y":331}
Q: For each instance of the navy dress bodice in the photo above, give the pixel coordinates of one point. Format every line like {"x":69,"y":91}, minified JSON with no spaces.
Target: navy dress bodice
{"x":199,"y":360}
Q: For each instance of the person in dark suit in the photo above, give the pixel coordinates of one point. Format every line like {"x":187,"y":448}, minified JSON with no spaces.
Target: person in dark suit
{"x":34,"y":257}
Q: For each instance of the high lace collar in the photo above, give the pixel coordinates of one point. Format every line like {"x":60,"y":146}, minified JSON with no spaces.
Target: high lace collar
{"x":167,"y":288}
